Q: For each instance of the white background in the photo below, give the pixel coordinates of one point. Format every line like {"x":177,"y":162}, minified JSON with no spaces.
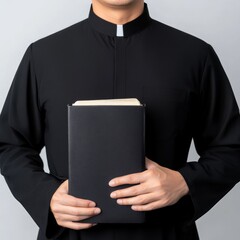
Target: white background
{"x":25,"y":21}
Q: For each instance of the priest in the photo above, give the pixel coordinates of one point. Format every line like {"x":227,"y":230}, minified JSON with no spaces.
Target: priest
{"x":119,"y":51}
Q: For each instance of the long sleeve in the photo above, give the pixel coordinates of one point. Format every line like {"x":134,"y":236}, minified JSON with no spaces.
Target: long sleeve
{"x":21,"y":140}
{"x":216,"y":137}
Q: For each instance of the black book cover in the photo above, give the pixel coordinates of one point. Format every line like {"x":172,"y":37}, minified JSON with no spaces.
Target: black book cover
{"x":105,"y":142}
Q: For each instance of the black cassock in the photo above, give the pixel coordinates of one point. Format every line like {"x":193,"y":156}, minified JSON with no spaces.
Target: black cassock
{"x":187,"y":94}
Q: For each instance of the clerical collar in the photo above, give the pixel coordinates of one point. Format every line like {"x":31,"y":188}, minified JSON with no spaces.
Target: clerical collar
{"x":124,"y":30}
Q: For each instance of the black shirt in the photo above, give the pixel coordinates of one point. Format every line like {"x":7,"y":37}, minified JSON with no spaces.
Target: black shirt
{"x":187,"y":94}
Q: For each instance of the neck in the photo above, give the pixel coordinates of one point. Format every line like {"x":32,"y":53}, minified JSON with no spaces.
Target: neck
{"x":118,"y":14}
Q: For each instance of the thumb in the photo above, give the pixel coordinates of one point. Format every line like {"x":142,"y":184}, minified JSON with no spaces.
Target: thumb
{"x":149,"y":163}
{"x":64,"y":186}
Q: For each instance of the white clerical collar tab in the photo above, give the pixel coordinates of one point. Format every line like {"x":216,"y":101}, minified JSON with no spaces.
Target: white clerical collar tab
{"x":119,"y":32}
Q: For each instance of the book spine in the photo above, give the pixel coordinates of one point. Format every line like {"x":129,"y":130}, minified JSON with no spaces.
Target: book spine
{"x":69,"y":148}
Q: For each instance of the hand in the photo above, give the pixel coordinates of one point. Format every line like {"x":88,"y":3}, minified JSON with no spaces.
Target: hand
{"x":67,"y":209}
{"x":158,"y":187}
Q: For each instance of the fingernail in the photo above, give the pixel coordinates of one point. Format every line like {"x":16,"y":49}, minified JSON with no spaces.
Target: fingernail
{"x":119,"y":201}
{"x":97,"y":210}
{"x":113,"y":195}
{"x":134,"y":207}
{"x":111,"y":183}
{"x":92,"y":204}
{"x":94,"y":224}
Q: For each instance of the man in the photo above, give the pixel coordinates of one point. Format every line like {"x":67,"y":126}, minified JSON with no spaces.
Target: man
{"x":119,"y":51}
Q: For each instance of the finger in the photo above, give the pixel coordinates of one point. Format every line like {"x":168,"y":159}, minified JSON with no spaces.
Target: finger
{"x":69,"y":200}
{"x":67,"y":217}
{"x":150,"y":206}
{"x":76,"y":211}
{"x":64,"y":187}
{"x":138,"y":200}
{"x":133,"y":178}
{"x":76,"y":226}
{"x":149,"y":163}
{"x":130,"y":191}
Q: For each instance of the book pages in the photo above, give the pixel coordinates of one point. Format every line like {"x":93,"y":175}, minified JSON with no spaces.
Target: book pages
{"x":119,"y":101}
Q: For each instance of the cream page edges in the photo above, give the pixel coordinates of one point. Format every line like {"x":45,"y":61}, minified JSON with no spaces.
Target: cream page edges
{"x":117,"y":102}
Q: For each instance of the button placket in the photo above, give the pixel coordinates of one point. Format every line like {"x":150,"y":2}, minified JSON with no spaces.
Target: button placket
{"x":119,"y":81}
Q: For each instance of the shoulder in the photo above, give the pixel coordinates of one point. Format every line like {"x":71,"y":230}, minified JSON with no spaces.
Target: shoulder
{"x":177,"y":35}
{"x":179,"y":39}
{"x":60,"y":38}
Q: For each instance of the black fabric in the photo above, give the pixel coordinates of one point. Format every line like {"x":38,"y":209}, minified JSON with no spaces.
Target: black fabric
{"x":177,"y":75}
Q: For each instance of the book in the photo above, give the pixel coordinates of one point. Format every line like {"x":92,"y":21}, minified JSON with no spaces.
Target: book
{"x":106,"y":139}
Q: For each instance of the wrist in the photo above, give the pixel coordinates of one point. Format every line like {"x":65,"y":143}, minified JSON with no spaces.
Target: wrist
{"x":184,"y":190}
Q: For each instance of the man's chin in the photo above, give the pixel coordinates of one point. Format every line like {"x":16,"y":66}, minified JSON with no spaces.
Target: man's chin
{"x":118,"y":3}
